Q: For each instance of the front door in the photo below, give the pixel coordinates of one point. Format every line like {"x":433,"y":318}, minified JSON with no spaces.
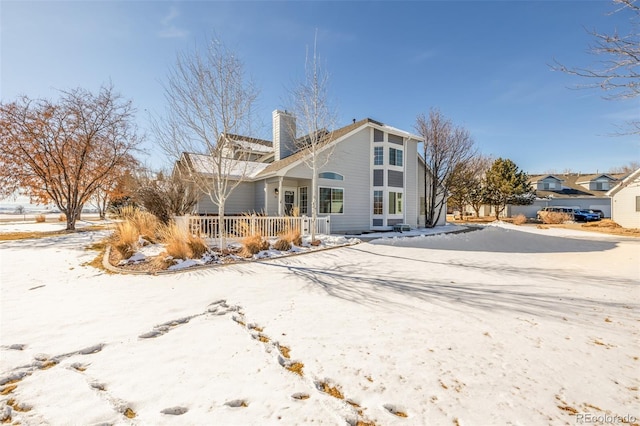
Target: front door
{"x":289,"y":201}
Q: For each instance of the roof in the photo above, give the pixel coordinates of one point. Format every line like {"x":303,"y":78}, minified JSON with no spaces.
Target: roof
{"x":590,"y":178}
{"x":203,"y":164}
{"x":625,"y":182}
{"x":252,"y":144}
{"x":571,"y":184}
{"x":330,"y":137}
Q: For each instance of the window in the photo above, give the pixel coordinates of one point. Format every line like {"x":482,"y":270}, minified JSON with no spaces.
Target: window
{"x":395,"y":139}
{"x":637,"y":203}
{"x":378,"y":156}
{"x":378,"y":135}
{"x":331,"y":175}
{"x":395,"y":157}
{"x":395,"y":202}
{"x":303,"y":202}
{"x":377,"y":202}
{"x":331,"y":200}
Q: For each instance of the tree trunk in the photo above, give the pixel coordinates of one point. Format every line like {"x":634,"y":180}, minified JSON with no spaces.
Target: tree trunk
{"x":221,"y":227}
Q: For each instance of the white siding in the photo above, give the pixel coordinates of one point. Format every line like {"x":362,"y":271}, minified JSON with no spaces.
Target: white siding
{"x":624,"y":208}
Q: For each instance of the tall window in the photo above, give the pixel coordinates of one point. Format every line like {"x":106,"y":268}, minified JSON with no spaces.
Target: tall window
{"x":331,"y":200}
{"x":395,"y":157}
{"x":395,"y":202}
{"x":304,"y":200}
{"x":377,"y":202}
{"x":378,"y":156}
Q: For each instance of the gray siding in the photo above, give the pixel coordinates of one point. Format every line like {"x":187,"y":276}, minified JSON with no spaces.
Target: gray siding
{"x":241,"y":200}
{"x":259,"y":195}
{"x":395,"y":179}
{"x":350,"y":158}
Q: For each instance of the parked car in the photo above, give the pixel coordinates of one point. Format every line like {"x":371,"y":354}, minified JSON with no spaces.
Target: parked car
{"x":585,"y":216}
{"x":554,"y":209}
{"x":598,"y":212}
{"x":574,"y":213}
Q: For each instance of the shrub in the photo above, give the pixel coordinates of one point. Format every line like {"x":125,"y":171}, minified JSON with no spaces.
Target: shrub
{"x":253,"y":244}
{"x":554,"y":218}
{"x":62,"y":218}
{"x":125,"y":239}
{"x":520,"y":219}
{"x":282,"y":244}
{"x":40,"y":218}
{"x":146,"y":223}
{"x":292,"y":235}
{"x":180,"y":244}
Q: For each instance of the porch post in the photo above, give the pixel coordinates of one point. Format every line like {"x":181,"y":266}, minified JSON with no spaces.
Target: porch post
{"x":280,"y":195}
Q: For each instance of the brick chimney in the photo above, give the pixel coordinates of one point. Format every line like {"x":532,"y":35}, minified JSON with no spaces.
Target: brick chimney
{"x":284,"y":132}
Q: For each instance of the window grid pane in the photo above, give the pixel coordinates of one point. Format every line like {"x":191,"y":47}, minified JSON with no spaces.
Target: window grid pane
{"x":378,"y":156}
{"x":377,"y":202}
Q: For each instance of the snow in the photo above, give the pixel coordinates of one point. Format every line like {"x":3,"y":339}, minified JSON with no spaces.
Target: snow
{"x":502,"y":325}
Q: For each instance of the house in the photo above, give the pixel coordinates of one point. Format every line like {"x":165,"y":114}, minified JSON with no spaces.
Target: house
{"x":584,"y":191}
{"x":371,"y":177}
{"x":625,"y":201}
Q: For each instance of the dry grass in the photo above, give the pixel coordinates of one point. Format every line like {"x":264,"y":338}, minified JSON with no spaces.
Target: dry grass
{"x":282,"y":244}
{"x":334,"y":391}
{"x":554,"y":218}
{"x":253,"y":244}
{"x":125,"y":239}
{"x":8,"y":389}
{"x":40,"y":218}
{"x":285,"y":351}
{"x":292,"y":235}
{"x":520,"y":219}
{"x":604,"y":223}
{"x":129,"y":413}
{"x":181,"y":244}
{"x":296,"y":367}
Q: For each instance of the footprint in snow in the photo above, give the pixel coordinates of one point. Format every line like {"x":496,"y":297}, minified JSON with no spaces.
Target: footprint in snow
{"x":237,"y":403}
{"x":91,"y":349}
{"x":175,"y":411}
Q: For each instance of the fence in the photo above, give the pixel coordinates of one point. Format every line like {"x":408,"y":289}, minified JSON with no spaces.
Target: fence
{"x":236,"y":227}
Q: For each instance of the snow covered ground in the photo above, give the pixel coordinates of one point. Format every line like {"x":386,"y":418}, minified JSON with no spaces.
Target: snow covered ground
{"x":506,"y":325}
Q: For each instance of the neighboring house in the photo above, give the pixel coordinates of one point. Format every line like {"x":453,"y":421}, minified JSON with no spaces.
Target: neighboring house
{"x":373,"y":177}
{"x":625,"y":201}
{"x":566,"y":190}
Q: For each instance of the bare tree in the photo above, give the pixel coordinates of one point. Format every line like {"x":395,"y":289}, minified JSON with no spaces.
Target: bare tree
{"x":314,"y":117}
{"x":630,"y":167}
{"x":164,"y":194}
{"x":446,"y":147}
{"x":63,"y":152}
{"x":466,"y":183}
{"x":209,"y":100}
{"x":619,"y":70}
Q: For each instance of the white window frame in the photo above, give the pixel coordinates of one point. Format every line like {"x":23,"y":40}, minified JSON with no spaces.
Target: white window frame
{"x":332,"y":188}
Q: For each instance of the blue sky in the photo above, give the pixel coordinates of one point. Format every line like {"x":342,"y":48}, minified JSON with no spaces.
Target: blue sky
{"x":484,"y":64}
